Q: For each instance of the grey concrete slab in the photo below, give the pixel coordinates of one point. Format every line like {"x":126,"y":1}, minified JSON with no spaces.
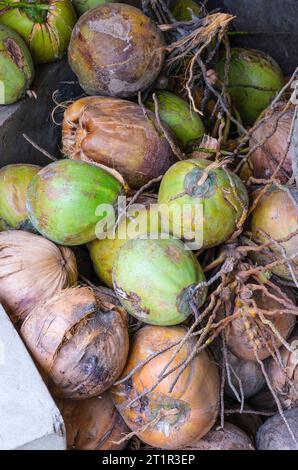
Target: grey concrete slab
{"x":28,"y":415}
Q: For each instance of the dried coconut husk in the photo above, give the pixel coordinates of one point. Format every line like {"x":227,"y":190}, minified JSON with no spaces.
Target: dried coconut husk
{"x":93,"y":424}
{"x":80,"y":342}
{"x":250,"y":339}
{"x":271,"y":143}
{"x":116,"y":134}
{"x":32,"y":269}
{"x":283,"y":375}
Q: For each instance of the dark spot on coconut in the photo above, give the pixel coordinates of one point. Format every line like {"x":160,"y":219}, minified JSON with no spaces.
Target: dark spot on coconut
{"x":144,"y":402}
{"x":15,"y":52}
{"x":136,"y":302}
{"x":196,"y":185}
{"x":174,"y":254}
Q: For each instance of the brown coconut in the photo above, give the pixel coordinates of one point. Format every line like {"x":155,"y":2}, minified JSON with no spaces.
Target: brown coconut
{"x":116,"y":50}
{"x":230,"y":437}
{"x":32,"y":269}
{"x":270,"y":141}
{"x":80,"y":342}
{"x":116,"y":133}
{"x":285,"y":379}
{"x":93,"y":424}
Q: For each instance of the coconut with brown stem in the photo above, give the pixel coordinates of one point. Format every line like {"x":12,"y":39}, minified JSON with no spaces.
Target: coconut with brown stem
{"x":32,"y":270}
{"x":79,"y":341}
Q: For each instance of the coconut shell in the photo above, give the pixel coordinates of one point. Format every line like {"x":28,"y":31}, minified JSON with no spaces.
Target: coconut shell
{"x":173,"y":110}
{"x":117,"y":134}
{"x":264,"y":401}
{"x":32,"y":270}
{"x":274,"y":435}
{"x":80,"y":342}
{"x":285,"y":381}
{"x":248,"y":372}
{"x":254,"y":79}
{"x":178,"y":417}
{"x":273,"y":133}
{"x":248,"y":422}
{"x":243,"y":334}
{"x":216,"y":200}
{"x":115,"y":50}
{"x":14,"y":181}
{"x":228,"y":438}
{"x":47,"y":36}
{"x":277,"y":216}
{"x":16,"y":66}
{"x":93,"y":424}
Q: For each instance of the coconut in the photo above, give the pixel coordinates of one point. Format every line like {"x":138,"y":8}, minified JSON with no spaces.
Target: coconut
{"x":276,"y":218}
{"x":136,"y":224}
{"x":248,"y":372}
{"x":274,"y":434}
{"x":269,"y":146}
{"x":117,"y":134}
{"x":93,"y":424}
{"x":284,"y":379}
{"x":212,"y":201}
{"x":245,"y":338}
{"x":45,"y":27}
{"x":67,"y":201}
{"x":32,"y":269}
{"x":78,"y":341}
{"x":116,"y":50}
{"x":164,"y":419}
{"x":254,"y":79}
{"x":81,"y":6}
{"x":185,"y":124}
{"x":16,"y":66}
{"x":249,"y":421}
{"x":14,"y":181}
{"x":155,"y":280}
{"x":185,"y":10}
{"x":229,"y":437}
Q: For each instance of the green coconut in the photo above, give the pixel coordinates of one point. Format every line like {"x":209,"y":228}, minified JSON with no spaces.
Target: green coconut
{"x":185,"y":10}
{"x":45,"y":25}
{"x":104,"y":252}
{"x":84,"y":5}
{"x":16,"y":66}
{"x":253,"y":81}
{"x":64,"y":201}
{"x":2,"y":225}
{"x":185,"y":124}
{"x":154,"y":280}
{"x":202,"y":205}
{"x":14,"y":181}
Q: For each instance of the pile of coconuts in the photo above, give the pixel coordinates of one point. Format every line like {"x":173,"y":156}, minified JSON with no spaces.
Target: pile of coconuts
{"x":176,"y":193}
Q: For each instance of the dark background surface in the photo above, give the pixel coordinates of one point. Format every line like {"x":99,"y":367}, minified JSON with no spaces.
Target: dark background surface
{"x":275,"y":21}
